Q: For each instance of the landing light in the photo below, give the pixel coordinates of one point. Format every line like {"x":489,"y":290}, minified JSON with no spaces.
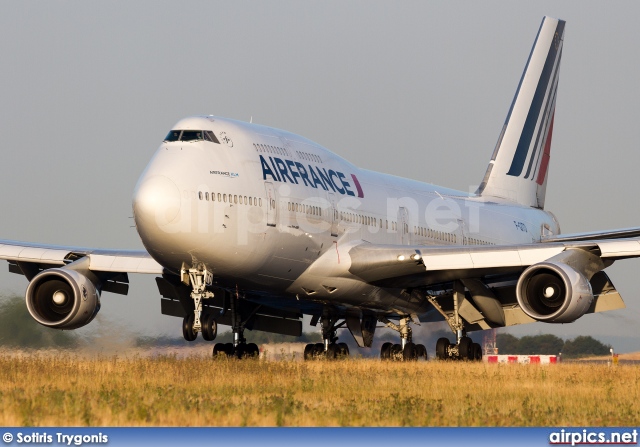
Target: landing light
{"x":416,"y":257}
{"x":401,"y":258}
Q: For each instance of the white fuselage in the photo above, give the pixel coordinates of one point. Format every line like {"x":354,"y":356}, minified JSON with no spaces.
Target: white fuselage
{"x":267,"y":210}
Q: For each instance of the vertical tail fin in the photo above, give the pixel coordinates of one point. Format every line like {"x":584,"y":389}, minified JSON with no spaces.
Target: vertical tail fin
{"x":518,"y":169}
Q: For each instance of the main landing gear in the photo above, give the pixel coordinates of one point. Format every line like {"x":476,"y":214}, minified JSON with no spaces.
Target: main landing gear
{"x":329,"y":349}
{"x":464,"y":348}
{"x":199,"y":278}
{"x":239,"y":348}
{"x":406,"y":350}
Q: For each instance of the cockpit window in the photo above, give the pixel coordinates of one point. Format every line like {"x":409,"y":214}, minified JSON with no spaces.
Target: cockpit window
{"x":210,"y":136}
{"x":191,"y":135}
{"x":173,"y":135}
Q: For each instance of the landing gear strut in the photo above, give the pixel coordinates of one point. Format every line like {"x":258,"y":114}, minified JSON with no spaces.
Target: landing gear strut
{"x":239,"y":348}
{"x":199,"y":278}
{"x":464,"y":348}
{"x":329,"y":348}
{"x":406,"y":350}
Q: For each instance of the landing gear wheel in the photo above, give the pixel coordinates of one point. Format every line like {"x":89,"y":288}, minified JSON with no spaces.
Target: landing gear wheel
{"x":409,"y":352}
{"x":318,"y":350}
{"x":210,"y":328}
{"x":228,"y":348}
{"x":442,"y":348}
{"x":477,"y":352}
{"x":332,"y":352}
{"x":385,"y":351}
{"x":218,"y":349}
{"x":465,"y":349}
{"x":396,"y":352}
{"x":187,"y":328}
{"x":308,"y":351}
{"x":239,"y":351}
{"x":253,"y":351}
{"x":343,"y":350}
{"x":421,"y":352}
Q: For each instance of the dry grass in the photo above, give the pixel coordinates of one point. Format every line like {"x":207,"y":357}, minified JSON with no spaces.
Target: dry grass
{"x":198,"y":391}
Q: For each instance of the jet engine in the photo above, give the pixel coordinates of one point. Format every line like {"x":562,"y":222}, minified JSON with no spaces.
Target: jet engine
{"x":62,"y":298}
{"x":558,"y":290}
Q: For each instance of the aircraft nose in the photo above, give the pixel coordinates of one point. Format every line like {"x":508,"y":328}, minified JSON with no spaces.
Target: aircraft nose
{"x":156,"y":203}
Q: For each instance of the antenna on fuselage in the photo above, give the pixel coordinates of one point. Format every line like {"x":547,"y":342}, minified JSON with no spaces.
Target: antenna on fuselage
{"x":251,"y":120}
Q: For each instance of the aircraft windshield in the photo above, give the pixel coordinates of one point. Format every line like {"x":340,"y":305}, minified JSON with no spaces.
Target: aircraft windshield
{"x":191,"y":135}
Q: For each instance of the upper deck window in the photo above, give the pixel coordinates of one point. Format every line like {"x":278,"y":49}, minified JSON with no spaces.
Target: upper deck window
{"x":191,"y":135}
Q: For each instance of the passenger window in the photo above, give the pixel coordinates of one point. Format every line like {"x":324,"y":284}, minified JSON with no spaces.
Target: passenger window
{"x":225,"y":198}
{"x":200,"y":195}
{"x":206,"y":196}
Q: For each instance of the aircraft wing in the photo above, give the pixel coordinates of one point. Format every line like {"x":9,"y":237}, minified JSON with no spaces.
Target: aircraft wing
{"x":419,"y":265}
{"x":111,"y":266}
{"x":595,"y":235}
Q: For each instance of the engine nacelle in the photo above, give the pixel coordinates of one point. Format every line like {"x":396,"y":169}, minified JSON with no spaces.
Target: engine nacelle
{"x":554,"y":292}
{"x":62,"y":298}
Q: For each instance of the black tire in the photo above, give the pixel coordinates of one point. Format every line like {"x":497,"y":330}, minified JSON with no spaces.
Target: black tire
{"x":253,"y":351}
{"x":409,"y":352}
{"x":240,"y":351}
{"x":218,"y":349}
{"x":308,"y":351}
{"x":396,"y":352}
{"x":421,"y":352}
{"x":187,"y":328}
{"x":318,"y":350}
{"x":209,"y":328}
{"x":332,"y":351}
{"x":465,"y":351}
{"x":344,"y":350}
{"x":229,"y":349}
{"x":477,"y":352}
{"x":442,"y":349}
{"x":385,"y":351}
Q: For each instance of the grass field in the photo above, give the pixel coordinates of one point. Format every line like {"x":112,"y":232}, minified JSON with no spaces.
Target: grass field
{"x":64,"y":390}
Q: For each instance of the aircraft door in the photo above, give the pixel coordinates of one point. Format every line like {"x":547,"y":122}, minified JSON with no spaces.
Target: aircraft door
{"x":403,"y":226}
{"x":460,"y":232}
{"x":272,"y":204}
{"x":333,"y":211}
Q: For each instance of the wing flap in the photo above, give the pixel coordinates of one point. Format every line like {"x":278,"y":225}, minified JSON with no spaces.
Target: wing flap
{"x":619,"y":248}
{"x":122,"y":261}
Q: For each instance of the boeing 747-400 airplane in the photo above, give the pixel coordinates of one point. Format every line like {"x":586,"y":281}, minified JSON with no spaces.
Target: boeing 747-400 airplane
{"x":254,"y":227}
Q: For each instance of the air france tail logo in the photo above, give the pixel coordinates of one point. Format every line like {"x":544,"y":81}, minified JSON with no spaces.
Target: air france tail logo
{"x":294,"y":172}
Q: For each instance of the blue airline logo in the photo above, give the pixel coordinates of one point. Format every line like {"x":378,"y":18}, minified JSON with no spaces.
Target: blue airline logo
{"x":295,"y":172}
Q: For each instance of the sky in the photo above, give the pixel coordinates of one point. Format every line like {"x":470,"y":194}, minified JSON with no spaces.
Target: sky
{"x":417,"y":89}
